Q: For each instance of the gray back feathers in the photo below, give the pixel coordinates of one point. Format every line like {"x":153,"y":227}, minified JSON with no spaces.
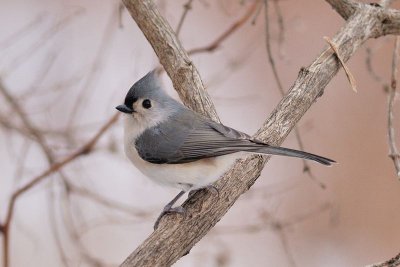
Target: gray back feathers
{"x":185,"y":136}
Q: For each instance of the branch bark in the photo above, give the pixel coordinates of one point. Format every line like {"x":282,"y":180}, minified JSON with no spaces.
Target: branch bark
{"x":345,"y":8}
{"x":184,"y":75}
{"x":306,"y":165}
{"x":176,"y":235}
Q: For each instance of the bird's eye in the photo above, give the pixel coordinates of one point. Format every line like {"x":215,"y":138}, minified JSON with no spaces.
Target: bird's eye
{"x":146,"y":103}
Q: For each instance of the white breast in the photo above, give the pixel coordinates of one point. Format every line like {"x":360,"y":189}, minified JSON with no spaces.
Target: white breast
{"x":186,"y":176}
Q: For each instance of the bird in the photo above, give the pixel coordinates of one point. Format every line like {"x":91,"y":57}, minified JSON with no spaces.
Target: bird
{"x":177,"y":147}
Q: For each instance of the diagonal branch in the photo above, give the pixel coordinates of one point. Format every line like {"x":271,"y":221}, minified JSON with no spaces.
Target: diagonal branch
{"x":306,"y":166}
{"x":345,"y":8}
{"x":172,"y":56}
{"x":177,"y":235}
{"x":389,"y":19}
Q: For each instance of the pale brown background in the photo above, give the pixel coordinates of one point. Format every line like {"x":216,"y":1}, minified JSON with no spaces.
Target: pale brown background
{"x":360,"y":227}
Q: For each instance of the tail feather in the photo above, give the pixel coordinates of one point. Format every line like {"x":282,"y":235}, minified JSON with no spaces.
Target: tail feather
{"x":282,"y":151}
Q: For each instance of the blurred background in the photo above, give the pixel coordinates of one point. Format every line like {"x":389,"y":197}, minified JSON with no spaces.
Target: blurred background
{"x":65,"y":65}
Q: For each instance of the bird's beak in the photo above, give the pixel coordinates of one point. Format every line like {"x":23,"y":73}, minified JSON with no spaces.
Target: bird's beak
{"x":123,"y":108}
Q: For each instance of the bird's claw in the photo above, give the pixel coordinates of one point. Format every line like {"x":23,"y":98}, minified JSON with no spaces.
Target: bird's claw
{"x":212,"y":188}
{"x":166,"y":210}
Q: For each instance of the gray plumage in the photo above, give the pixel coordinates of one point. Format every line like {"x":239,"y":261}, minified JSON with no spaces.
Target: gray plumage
{"x":198,"y":137}
{"x":187,"y":136}
{"x":175,"y":146}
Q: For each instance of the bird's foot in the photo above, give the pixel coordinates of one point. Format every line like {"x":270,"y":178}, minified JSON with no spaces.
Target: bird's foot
{"x":168,"y":209}
{"x":212,"y":188}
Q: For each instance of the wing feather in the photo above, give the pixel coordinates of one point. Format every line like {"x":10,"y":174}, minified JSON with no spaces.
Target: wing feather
{"x":188,"y":136}
{"x":194,"y":139}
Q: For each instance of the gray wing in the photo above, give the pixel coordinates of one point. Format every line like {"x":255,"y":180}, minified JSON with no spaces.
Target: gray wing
{"x":188,"y":137}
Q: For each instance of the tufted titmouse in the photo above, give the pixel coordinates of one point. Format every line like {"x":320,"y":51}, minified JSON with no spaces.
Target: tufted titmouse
{"x":175,"y":146}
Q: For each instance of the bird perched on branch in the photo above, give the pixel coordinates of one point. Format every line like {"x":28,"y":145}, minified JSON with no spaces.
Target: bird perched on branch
{"x":175,"y":146}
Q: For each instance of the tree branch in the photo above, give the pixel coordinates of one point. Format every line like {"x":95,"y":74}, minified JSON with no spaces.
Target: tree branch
{"x":391,"y":22}
{"x":306,"y":165}
{"x":393,"y":151}
{"x":172,"y":56}
{"x":176,"y":235}
{"x":345,"y":8}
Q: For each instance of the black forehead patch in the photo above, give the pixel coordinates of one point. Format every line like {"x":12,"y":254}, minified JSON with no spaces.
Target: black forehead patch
{"x":130,"y":98}
{"x":146,"y":87}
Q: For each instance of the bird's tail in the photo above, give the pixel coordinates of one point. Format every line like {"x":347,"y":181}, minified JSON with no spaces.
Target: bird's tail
{"x":282,"y":151}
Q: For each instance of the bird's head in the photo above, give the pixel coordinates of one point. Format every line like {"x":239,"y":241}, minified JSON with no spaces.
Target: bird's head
{"x":146,"y":101}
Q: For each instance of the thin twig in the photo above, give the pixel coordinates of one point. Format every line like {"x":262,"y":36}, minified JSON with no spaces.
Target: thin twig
{"x":21,"y":33}
{"x":121,"y":9}
{"x":270,"y":222}
{"x":271,"y":60}
{"x":71,"y":228}
{"x":88,"y":83}
{"x":186,"y":8}
{"x":285,"y":244}
{"x":269,"y":51}
{"x":20,"y":162}
{"x":370,"y":68}
{"x":217,"y":42}
{"x":40,"y":77}
{"x":257,"y":13}
{"x":24,"y":57}
{"x":85,"y":149}
{"x":86,"y":193}
{"x":54,"y":227}
{"x":27,"y":123}
{"x":31,"y":131}
{"x":281,"y":25}
{"x":350,"y":76}
{"x":393,"y":151}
